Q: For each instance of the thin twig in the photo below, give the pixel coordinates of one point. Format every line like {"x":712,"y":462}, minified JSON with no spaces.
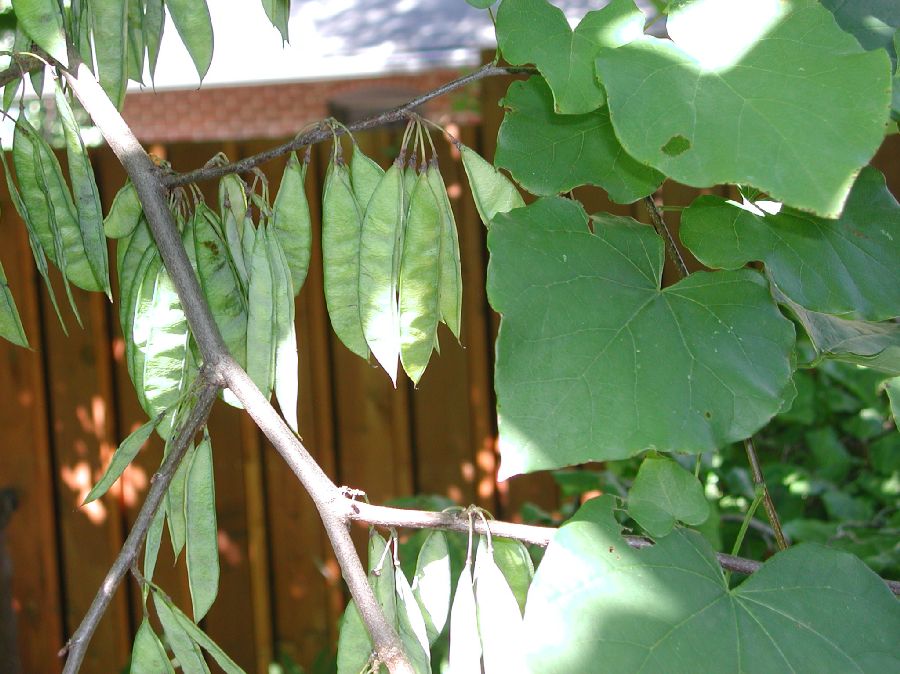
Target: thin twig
{"x":383,"y":516}
{"x":320,"y":134}
{"x":781,"y":541}
{"x":76,"y":647}
{"x":22,"y":65}
{"x":659,"y":224}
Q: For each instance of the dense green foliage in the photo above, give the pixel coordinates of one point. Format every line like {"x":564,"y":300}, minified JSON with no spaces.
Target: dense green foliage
{"x":788,"y":336}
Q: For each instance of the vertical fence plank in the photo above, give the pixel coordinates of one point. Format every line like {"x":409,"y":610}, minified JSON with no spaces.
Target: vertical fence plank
{"x":26,"y":465}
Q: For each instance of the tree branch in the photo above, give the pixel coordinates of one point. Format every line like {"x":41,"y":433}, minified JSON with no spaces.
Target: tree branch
{"x":781,"y":541}
{"x":659,"y":224}
{"x":224,"y":370}
{"x":527,"y":533}
{"x":21,"y":66}
{"x":76,"y":647}
{"x":319,"y":134}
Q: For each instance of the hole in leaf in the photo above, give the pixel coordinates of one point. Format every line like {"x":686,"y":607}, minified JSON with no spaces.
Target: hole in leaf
{"x":676,"y":145}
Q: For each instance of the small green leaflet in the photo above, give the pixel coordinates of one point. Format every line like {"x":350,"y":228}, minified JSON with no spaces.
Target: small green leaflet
{"x":595,"y":362}
{"x":664,"y":492}
{"x":10,"y":324}
{"x":718,"y":104}
{"x":846,"y":266}
{"x":548,"y":153}
{"x":148,"y":655}
{"x":667,"y":607}
{"x":535,"y":31}
{"x":42,"y":21}
{"x":202,"y":534}
{"x":492,"y":191}
{"x":192,"y":21}
{"x":122,"y":457}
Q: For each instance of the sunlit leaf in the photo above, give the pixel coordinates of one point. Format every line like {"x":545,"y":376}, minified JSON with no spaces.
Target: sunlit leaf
{"x":121,"y":459}
{"x":748,"y":86}
{"x":431,"y":583}
{"x":535,"y":31}
{"x":465,"y":643}
{"x":595,"y":361}
{"x":148,"y":655}
{"x":499,"y":618}
{"x":42,"y":21}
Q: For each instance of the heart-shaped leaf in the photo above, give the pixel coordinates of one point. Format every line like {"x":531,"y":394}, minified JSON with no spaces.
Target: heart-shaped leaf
{"x":549,"y":153}
{"x":664,"y":492}
{"x":595,"y":361}
{"x":719,"y":104}
{"x":668,"y":608}
{"x":534,"y":31}
{"x":847,"y":266}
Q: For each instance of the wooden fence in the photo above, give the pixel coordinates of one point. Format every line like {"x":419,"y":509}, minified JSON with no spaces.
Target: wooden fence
{"x":66,"y":403}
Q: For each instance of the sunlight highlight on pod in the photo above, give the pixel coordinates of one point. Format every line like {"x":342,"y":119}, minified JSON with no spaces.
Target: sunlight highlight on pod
{"x":719,"y":34}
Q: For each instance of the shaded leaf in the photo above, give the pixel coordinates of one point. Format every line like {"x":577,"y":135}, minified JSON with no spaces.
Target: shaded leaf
{"x":42,"y":21}
{"x":846,"y":266}
{"x":548,"y":153}
{"x":662,"y":493}
{"x":595,"y":361}
{"x":10,"y":324}
{"x":148,"y":655}
{"x":492,"y":191}
{"x":190,"y":659}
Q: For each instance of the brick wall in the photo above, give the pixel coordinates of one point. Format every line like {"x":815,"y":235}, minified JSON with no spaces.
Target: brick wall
{"x":259,"y":111}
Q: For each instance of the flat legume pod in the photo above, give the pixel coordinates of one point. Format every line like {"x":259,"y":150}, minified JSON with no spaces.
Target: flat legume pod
{"x":42,"y":21}
{"x":291,"y":220}
{"x":285,"y":374}
{"x":148,"y":655}
{"x":202,"y":543}
{"x":379,"y":262}
{"x":190,"y":659}
{"x":124,"y":214}
{"x":109,"y":20}
{"x":192,"y":21}
{"x":451,"y":270}
{"x":10,"y":324}
{"x":261,"y":319}
{"x":364,"y":176}
{"x":341,"y":224}
{"x":419,"y":279}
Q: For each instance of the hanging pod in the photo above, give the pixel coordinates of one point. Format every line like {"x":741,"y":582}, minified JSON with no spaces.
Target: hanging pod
{"x":286,"y":376}
{"x":124,"y":214}
{"x":364,"y":176}
{"x":261,"y":318}
{"x":341,"y":238}
{"x":291,"y":220}
{"x":499,"y":617}
{"x":379,"y":258}
{"x":201,"y":533}
{"x":420,"y":273}
{"x":450,"y":287}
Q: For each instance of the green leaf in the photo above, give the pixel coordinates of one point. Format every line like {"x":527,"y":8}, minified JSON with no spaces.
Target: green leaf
{"x":465,"y":643}
{"x":42,"y":21}
{"x":121,"y":459}
{"x":492,"y":191}
{"x":291,"y":221}
{"x":381,"y":576}
{"x":668,"y":607}
{"x":534,"y":31}
{"x":110,"y":25}
{"x":202,"y":534}
{"x":832,"y":459}
{"x":279,"y":12}
{"x":871,"y":22}
{"x":846,"y":266}
{"x":200,"y":638}
{"x":662,"y":493}
{"x":431,"y":583}
{"x":499,"y":619}
{"x":124,"y":214}
{"x":87,"y":196}
{"x":893,"y":391}
{"x":190,"y":659}
{"x":11,"y":327}
{"x":595,"y":362}
{"x":548,"y":153}
{"x":512,"y":558}
{"x":874,"y":345}
{"x":192,"y":21}
{"x":148,"y":655}
{"x":481,"y":4}
{"x":744,"y":87}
